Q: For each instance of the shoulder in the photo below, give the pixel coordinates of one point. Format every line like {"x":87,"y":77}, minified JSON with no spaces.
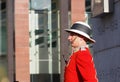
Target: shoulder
{"x":84,"y":54}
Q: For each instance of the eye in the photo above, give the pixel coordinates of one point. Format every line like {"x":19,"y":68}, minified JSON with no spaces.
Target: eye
{"x":72,"y":34}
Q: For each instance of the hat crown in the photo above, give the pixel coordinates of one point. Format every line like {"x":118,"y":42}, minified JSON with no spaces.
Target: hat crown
{"x":80,"y":26}
{"x":83,"y":23}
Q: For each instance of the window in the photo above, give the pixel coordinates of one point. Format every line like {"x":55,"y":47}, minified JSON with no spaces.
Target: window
{"x":3,"y":42}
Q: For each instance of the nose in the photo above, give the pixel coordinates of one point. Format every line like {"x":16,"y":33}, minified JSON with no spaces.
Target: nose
{"x":69,"y":37}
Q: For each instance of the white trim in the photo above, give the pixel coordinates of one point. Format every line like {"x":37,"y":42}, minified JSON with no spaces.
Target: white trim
{"x":79,"y":22}
{"x":81,"y":33}
{"x":106,"y":5}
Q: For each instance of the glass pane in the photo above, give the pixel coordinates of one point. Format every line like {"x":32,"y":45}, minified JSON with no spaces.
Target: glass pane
{"x":45,"y":53}
{"x":3,"y":40}
{"x":3,"y":43}
{"x":40,"y":4}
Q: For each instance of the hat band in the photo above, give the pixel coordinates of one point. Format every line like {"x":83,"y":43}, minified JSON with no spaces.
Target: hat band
{"x":81,"y":28}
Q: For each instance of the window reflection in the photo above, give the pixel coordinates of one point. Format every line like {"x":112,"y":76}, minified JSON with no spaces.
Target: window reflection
{"x":3,"y":43}
{"x":44,"y":50}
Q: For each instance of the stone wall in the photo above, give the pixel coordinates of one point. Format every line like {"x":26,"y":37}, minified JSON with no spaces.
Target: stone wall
{"x":106,"y":32}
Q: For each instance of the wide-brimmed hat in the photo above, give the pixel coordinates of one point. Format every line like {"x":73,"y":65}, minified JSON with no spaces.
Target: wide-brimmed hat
{"x":82,"y":29}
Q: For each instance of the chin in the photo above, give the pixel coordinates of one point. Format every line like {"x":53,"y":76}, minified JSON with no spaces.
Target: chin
{"x":74,"y":46}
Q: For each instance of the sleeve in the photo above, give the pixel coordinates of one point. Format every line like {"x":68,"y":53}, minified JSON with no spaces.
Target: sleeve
{"x":86,"y":67}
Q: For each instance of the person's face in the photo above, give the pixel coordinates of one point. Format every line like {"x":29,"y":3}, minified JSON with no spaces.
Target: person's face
{"x":75,"y":40}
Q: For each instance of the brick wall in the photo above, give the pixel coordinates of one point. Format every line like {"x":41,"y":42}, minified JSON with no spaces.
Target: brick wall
{"x":77,"y":10}
{"x":22,"y":40}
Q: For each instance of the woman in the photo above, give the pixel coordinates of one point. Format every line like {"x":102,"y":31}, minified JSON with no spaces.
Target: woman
{"x":80,"y":67}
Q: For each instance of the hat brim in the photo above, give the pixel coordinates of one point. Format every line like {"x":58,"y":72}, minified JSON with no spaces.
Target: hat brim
{"x":81,"y":33}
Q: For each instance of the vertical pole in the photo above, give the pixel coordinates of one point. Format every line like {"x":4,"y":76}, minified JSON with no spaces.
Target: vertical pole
{"x":10,"y":37}
{"x":63,"y":37}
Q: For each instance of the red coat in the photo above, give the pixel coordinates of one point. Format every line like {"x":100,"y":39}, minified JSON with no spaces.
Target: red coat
{"x":80,"y":68}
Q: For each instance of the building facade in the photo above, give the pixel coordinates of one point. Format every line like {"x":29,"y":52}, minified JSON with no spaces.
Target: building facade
{"x":107,"y":46}
{"x":32,"y":38}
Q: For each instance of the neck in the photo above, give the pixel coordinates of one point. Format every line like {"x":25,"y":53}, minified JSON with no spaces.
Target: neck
{"x":75,"y":49}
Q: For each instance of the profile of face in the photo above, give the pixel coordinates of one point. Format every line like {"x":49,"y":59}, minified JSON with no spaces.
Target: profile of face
{"x":76,"y":40}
